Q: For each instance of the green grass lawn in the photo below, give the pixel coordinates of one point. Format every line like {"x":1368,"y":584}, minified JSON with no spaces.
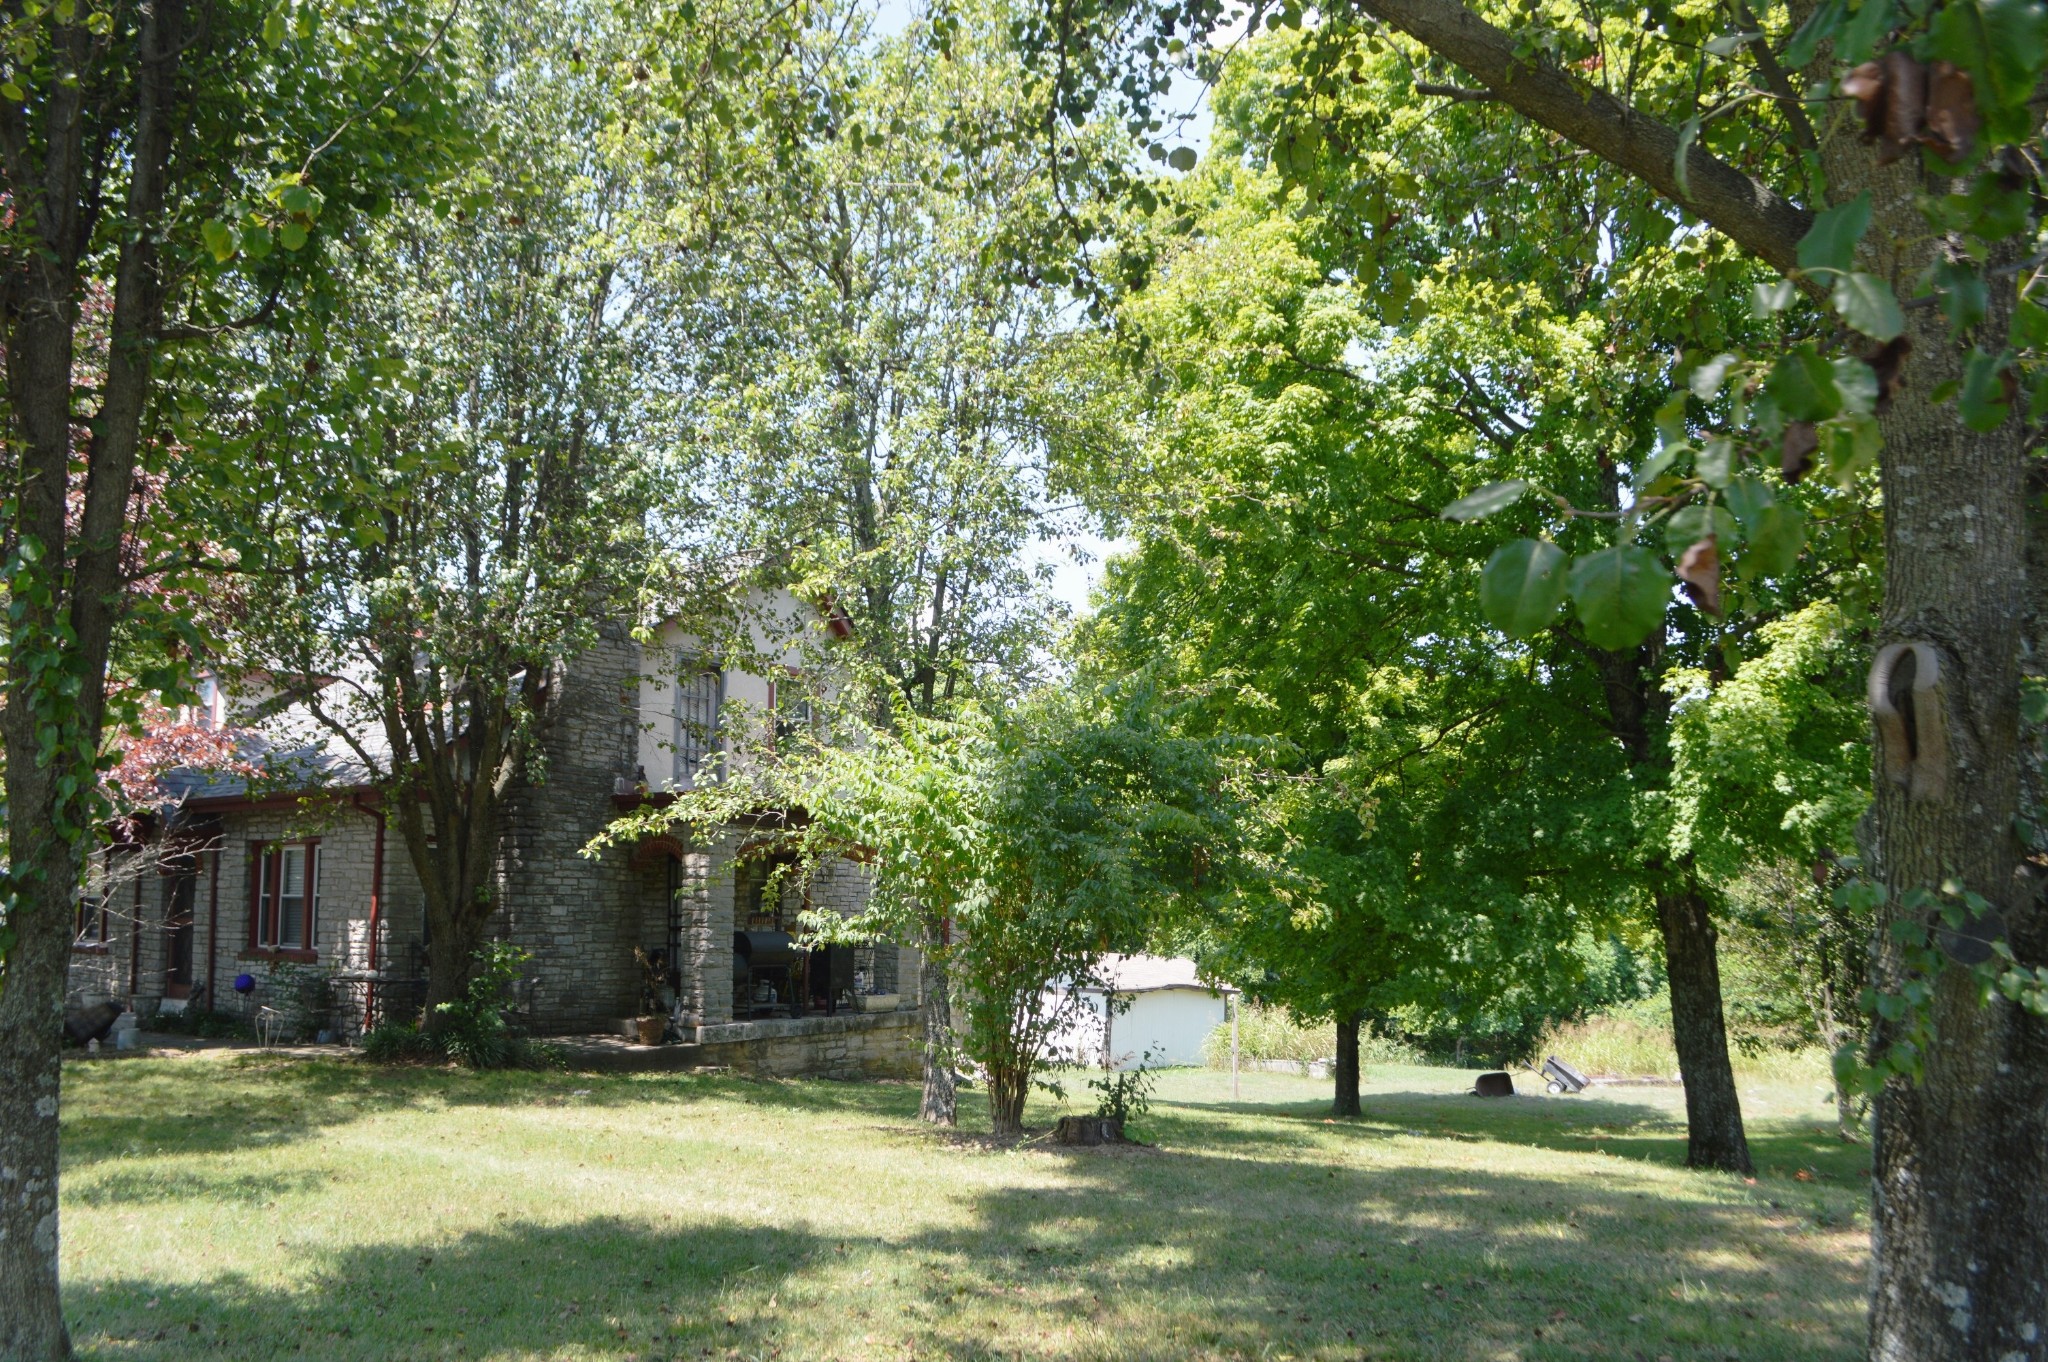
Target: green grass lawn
{"x":257,"y":1208}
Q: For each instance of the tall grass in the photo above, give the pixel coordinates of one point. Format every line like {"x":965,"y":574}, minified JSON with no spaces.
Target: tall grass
{"x":1272,"y":1033}
{"x":1635,"y":1042}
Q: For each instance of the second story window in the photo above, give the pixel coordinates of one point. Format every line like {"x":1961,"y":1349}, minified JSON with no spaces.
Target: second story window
{"x":793,"y":714}
{"x":698,"y":694}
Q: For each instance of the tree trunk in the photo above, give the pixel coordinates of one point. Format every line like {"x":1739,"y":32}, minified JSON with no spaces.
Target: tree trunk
{"x":1713,"y":1113}
{"x":1347,"y":1067}
{"x":1960,"y":1215}
{"x":31,"y":1032}
{"x":1008,"y":1086}
{"x":67,"y":600}
{"x":939,"y":1105}
{"x":451,"y":959}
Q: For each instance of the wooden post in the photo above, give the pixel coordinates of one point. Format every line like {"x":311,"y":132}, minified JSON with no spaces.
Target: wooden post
{"x":1232,"y":1000}
{"x":1108,"y":1019}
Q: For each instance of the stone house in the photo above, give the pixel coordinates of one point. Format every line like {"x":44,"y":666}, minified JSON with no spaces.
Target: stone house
{"x":269,"y":887}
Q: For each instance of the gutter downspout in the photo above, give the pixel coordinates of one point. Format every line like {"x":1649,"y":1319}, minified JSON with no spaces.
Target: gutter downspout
{"x":376,"y":907}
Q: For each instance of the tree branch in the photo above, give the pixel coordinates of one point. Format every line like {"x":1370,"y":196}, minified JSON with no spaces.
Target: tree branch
{"x":1752,"y":214}
{"x":1457,"y":92}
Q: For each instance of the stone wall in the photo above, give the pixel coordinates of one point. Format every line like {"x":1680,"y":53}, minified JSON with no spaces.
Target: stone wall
{"x":582,"y":917}
{"x":706,"y":958}
{"x":848,"y":1046}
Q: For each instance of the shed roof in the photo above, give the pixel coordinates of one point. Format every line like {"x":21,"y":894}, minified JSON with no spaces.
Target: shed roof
{"x":1150,"y":973}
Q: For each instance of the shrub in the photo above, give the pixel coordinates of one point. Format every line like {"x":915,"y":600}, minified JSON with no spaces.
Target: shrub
{"x":474,"y":1030}
{"x":1126,"y":1093}
{"x":203,"y":1022}
{"x":399,"y":1043}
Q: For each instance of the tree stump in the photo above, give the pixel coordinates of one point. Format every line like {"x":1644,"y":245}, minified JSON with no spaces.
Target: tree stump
{"x":1088,"y":1130}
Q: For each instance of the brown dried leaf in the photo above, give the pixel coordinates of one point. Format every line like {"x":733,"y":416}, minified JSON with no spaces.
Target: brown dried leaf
{"x":1951,"y":112}
{"x":1699,"y":567}
{"x":1801,"y":440}
{"x":1905,"y":105}
{"x":1865,"y":85}
{"x":1886,"y":361}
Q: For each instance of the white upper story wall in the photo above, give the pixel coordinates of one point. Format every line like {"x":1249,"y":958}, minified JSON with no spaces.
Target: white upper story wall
{"x":701,"y":700}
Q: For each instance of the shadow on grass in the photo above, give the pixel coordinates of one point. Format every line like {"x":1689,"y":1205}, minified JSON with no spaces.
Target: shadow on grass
{"x":1205,"y":1255}
{"x":194,"y":1106}
{"x":1630,"y":1130}
{"x":1178,"y":1256}
{"x":602,"y":1288}
{"x":1259,"y":1231}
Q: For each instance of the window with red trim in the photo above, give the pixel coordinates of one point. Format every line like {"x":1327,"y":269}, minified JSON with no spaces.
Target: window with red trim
{"x":285,"y":887}
{"x":90,"y":926}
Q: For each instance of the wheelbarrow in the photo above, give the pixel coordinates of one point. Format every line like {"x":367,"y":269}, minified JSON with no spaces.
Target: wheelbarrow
{"x":1559,"y":1077}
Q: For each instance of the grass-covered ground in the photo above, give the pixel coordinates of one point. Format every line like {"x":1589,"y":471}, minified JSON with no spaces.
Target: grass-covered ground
{"x":258,"y":1208}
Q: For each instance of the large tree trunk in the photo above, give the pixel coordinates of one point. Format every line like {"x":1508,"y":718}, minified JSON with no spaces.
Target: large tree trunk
{"x":1347,"y":1103}
{"x":1713,"y":1112}
{"x":1960,"y":1223}
{"x":69,"y":601}
{"x":940,"y":1104}
{"x":1638,"y":712}
{"x":451,"y":960}
{"x":31,"y":1031}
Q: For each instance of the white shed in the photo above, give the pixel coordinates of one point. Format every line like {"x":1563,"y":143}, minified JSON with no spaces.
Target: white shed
{"x":1170,"y":1013}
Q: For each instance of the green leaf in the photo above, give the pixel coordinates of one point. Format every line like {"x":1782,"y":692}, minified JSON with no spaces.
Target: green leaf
{"x":1765,"y":300}
{"x":1653,"y":467}
{"x":1984,"y":402}
{"x":1866,"y":303}
{"x":1856,"y":382}
{"x":291,"y":236}
{"x":1182,"y":159}
{"x":1707,"y":379}
{"x":1775,"y":539}
{"x":1495,"y":496}
{"x":1621,"y":594}
{"x":1849,"y":446}
{"x":1749,"y":498}
{"x":1690,"y":524}
{"x":1964,"y":295}
{"x":1866,"y":27}
{"x":1818,"y":28}
{"x":1671,"y":419}
{"x":221,"y":239}
{"x":1522,"y":585}
{"x":1830,"y":244}
{"x":1716,"y":461}
{"x":1680,"y":172}
{"x":1803,"y":385}
{"x":2030,"y":325}
{"x":274,"y":31}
